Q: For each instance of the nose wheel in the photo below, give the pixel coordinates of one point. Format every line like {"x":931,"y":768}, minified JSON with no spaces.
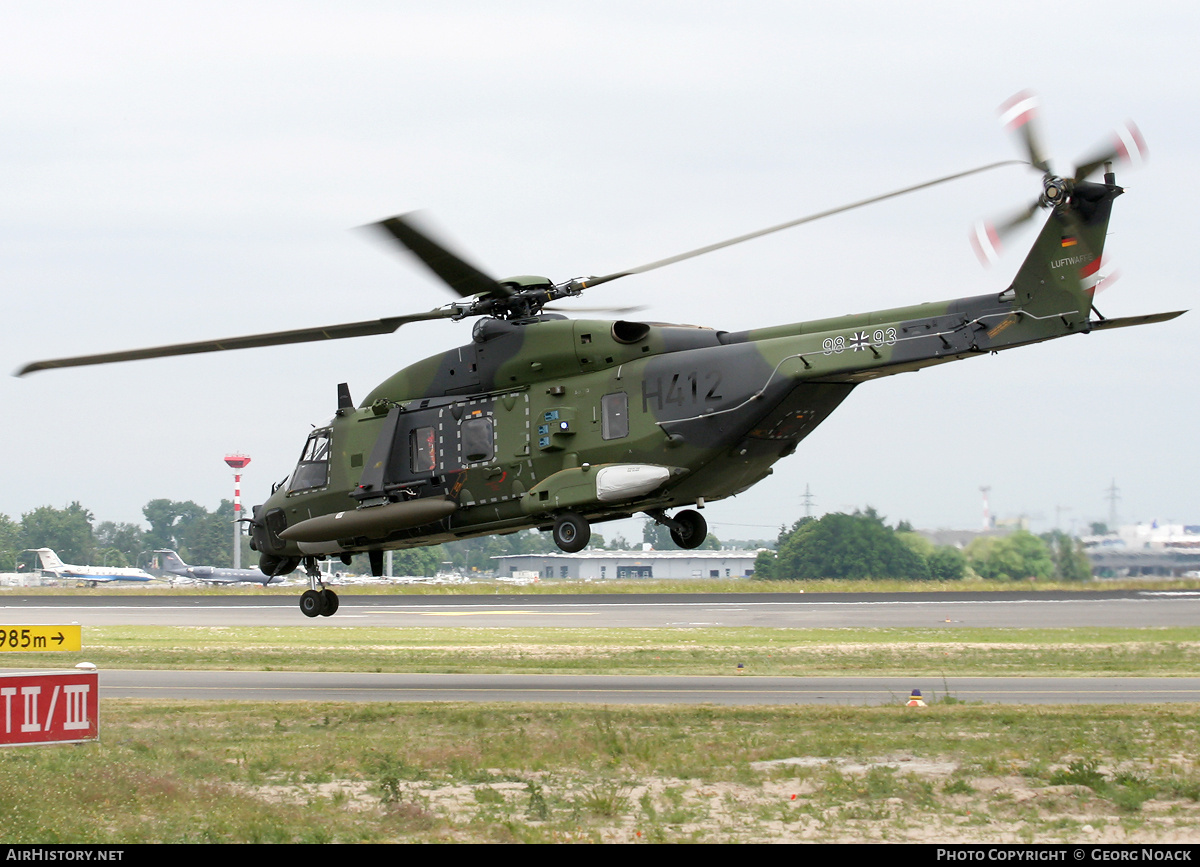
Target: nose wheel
{"x":317,"y":600}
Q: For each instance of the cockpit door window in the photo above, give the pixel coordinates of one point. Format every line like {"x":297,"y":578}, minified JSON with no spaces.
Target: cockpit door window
{"x":313,"y":469}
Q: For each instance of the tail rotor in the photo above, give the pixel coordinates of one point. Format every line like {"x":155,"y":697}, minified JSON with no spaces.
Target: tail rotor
{"x":1020,"y":114}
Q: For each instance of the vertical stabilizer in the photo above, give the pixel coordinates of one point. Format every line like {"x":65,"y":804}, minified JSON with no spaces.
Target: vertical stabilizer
{"x":50,"y":561}
{"x":1059,"y":275}
{"x":168,"y":561}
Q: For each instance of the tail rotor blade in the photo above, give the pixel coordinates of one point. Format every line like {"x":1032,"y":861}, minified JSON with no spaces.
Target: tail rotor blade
{"x":1019,"y":114}
{"x":987,"y":238}
{"x":1127,"y":145}
{"x":1098,"y":275}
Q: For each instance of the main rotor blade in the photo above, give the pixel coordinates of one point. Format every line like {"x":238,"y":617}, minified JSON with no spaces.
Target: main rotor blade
{"x":596,"y":281}
{"x":618,"y":311}
{"x":251,"y":341}
{"x":460,"y":275}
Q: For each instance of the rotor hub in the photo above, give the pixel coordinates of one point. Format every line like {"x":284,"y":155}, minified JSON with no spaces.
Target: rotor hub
{"x":1054,"y":191}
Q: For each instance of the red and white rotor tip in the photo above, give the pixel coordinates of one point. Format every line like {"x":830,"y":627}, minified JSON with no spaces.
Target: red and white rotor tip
{"x":1131,"y":147}
{"x":1019,"y":109}
{"x":1098,"y":275}
{"x":986,"y":242}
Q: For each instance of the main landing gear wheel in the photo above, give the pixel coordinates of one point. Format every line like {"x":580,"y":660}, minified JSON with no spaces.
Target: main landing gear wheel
{"x":571,"y":532}
{"x":693,"y":529}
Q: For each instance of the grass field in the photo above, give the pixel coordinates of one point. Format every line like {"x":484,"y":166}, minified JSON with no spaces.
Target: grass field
{"x":302,"y":772}
{"x":294,"y":772}
{"x":809,"y":652}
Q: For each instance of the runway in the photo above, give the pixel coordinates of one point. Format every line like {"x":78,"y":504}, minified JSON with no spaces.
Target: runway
{"x":948,"y":610}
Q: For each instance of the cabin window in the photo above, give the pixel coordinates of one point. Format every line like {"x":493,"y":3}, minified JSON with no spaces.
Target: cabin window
{"x":615,"y":412}
{"x":477,"y":439}
{"x":313,"y":469}
{"x":422,"y":450}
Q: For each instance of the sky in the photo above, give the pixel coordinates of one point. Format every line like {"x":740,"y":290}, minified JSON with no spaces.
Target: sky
{"x":183,"y":171}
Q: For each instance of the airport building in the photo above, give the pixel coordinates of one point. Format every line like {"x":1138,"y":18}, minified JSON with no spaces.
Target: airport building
{"x":602,"y":565}
{"x":1146,"y":549}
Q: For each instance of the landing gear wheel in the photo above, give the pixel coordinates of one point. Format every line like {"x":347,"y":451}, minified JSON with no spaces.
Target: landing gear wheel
{"x":693,"y":529}
{"x":330,"y":603}
{"x":311,"y":603}
{"x":571,"y":532}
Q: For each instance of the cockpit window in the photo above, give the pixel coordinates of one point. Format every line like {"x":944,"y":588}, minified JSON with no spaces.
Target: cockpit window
{"x":313,"y":469}
{"x":422,"y":448}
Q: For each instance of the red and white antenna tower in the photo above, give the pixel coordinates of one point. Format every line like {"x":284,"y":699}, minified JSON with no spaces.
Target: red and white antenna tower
{"x":238,"y":462}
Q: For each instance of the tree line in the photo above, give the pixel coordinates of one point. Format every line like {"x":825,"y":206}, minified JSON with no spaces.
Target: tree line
{"x":840,"y":546}
{"x":200,"y":536}
{"x":862,"y":545}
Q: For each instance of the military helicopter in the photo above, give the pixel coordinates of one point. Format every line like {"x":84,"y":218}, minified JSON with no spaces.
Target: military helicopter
{"x":553,"y":423}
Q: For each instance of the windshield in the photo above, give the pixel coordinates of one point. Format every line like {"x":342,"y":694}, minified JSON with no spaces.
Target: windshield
{"x":313,"y":469}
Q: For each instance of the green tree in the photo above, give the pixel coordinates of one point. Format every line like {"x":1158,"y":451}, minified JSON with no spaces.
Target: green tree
{"x":123,"y":543}
{"x":1070,"y":561}
{"x":417,"y":562}
{"x":1016,"y":557}
{"x":847,"y":546}
{"x":10,"y":543}
{"x":207,"y":537}
{"x":764,"y":565}
{"x":169,"y":522}
{"x":68,"y":531}
{"x":945,"y":562}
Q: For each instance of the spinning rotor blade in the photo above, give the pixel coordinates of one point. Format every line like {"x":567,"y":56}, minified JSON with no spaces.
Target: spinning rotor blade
{"x":461,"y":276}
{"x":988,"y":238}
{"x":1019,"y":113}
{"x":596,"y":281}
{"x":275,"y":338}
{"x":1127,"y":146}
{"x":619,"y":311}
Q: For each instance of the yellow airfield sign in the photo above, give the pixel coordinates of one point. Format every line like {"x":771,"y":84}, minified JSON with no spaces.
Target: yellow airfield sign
{"x":39,"y":639}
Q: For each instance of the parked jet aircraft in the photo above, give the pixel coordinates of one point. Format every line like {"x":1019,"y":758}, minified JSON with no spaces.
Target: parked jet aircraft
{"x":94,"y":575}
{"x":166,"y":560}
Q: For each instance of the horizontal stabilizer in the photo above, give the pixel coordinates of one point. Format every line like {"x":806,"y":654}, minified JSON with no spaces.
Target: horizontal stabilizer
{"x":1126,"y":321}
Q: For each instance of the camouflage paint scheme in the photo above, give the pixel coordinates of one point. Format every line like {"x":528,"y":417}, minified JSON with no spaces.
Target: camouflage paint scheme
{"x":716,"y":409}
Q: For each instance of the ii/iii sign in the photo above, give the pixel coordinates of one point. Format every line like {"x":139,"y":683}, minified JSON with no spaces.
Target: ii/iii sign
{"x":54,"y":707}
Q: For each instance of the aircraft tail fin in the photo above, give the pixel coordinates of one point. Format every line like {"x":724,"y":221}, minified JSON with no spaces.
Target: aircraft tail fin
{"x":1059,"y":276}
{"x":49,"y":560}
{"x":168,"y":561}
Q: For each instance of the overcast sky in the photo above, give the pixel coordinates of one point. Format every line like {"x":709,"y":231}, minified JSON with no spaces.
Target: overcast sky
{"x":181,"y":171}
